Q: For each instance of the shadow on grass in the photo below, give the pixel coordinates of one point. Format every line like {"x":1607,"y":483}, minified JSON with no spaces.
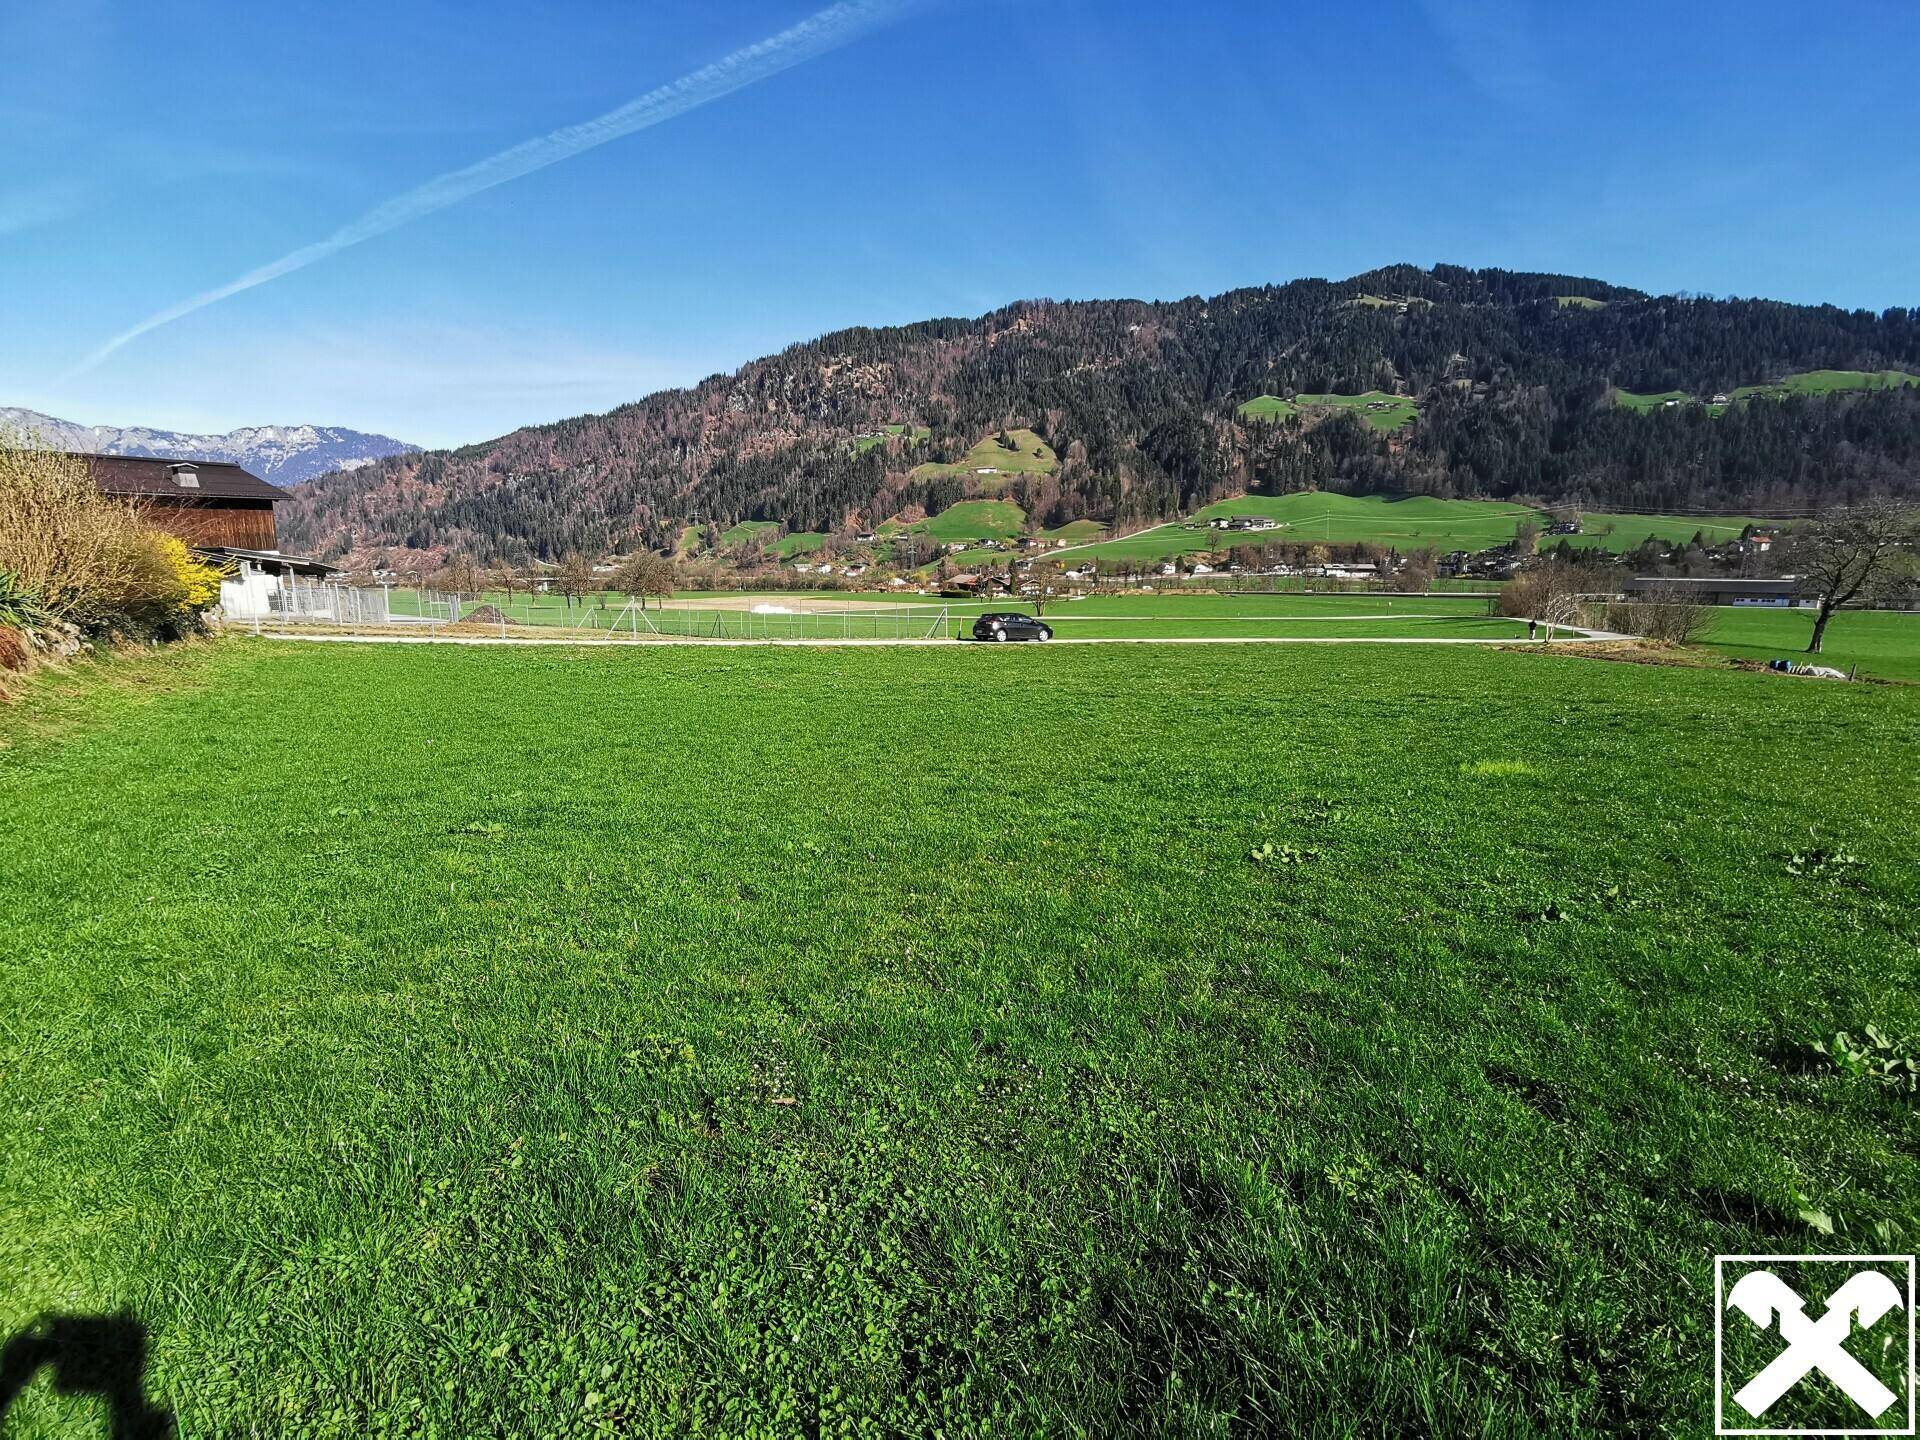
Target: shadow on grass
{"x":104,"y":1355}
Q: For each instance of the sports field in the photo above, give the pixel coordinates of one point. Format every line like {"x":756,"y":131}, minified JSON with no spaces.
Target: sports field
{"x":1002,"y":1040}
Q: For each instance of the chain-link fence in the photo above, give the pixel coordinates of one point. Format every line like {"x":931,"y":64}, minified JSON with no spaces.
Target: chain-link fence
{"x":541,"y":616}
{"x":258,"y":595}
{"x":772,"y":621}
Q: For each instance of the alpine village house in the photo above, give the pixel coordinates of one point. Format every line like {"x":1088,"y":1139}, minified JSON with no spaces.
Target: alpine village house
{"x":222,"y":511}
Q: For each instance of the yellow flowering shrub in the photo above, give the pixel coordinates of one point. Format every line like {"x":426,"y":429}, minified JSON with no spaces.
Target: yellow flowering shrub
{"x":198,"y":582}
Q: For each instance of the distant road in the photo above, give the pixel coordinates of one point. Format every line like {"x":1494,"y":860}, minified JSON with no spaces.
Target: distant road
{"x":1578,"y":636}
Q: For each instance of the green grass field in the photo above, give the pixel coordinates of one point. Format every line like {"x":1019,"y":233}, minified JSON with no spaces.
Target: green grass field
{"x":1806,"y":382}
{"x":1828,"y":382}
{"x":1032,"y":456}
{"x":1621,"y":533}
{"x":1885,"y":644}
{"x":1077,"y":532}
{"x":1311,"y":515}
{"x":974,"y":520}
{"x":864,"y":443}
{"x":748,"y":531}
{"x":1380,"y":410}
{"x":851,"y":616}
{"x":796,"y":543}
{"x":1209,"y":1041}
{"x":1579,"y":302}
{"x":1644,"y":403}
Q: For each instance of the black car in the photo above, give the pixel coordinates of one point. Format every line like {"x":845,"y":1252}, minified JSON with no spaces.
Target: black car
{"x":1011,"y":626}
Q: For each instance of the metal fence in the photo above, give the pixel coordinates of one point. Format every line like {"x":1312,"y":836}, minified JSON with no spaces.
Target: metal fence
{"x":773,"y":621}
{"x":608,"y":617}
{"x":297,"y":599}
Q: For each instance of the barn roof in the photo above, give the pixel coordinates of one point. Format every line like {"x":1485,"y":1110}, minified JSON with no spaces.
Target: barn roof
{"x":141,"y":475}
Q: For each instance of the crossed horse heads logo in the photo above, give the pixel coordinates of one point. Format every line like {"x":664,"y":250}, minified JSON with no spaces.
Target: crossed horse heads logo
{"x":1764,"y":1298}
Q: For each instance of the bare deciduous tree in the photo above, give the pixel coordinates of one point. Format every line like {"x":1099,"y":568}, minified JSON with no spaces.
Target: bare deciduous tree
{"x":1419,"y":572}
{"x":1853,"y":557}
{"x":1670,"y":614}
{"x":1045,"y":575}
{"x":460,"y":575}
{"x":643,"y":575}
{"x":575,"y":577}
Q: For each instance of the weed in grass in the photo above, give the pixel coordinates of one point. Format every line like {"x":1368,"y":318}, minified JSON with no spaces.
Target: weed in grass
{"x":1498,"y":767}
{"x":1874,"y":1056}
{"x":1267,"y":853}
{"x":1818,"y":860}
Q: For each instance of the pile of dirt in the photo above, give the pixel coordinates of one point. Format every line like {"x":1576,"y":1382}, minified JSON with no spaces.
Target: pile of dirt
{"x":489,"y":615}
{"x":1632,"y":652}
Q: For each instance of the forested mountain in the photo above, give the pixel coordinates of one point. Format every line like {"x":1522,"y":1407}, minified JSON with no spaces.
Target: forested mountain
{"x":1515,"y":376}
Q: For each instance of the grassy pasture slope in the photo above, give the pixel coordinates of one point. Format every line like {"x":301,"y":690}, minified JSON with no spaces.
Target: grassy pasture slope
{"x":975,"y":520}
{"x":864,"y":443}
{"x":1076,"y":531}
{"x":1806,"y":382}
{"x":1344,"y":519}
{"x":1394,"y":410}
{"x":1826,"y":382}
{"x":1643,"y":403}
{"x":747,"y":531}
{"x":554,"y":1056}
{"x":1621,"y":533}
{"x":1034,"y":457}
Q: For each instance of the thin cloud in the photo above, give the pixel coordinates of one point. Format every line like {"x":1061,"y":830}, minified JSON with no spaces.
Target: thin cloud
{"x":827,"y":30}
{"x":44,"y":205}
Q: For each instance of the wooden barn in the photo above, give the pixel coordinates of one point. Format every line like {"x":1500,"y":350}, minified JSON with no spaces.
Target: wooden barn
{"x":209,"y":504}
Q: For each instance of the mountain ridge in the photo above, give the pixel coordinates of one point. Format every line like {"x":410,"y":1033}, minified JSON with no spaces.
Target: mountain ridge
{"x":1505,"y":383}
{"x":284,"y":454}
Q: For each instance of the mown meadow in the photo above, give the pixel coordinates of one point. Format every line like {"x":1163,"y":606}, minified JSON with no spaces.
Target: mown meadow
{"x":970,"y":1040}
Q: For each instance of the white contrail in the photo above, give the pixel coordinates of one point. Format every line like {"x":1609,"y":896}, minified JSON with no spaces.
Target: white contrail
{"x":827,"y":30}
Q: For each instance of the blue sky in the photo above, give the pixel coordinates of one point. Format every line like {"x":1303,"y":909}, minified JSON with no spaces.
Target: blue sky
{"x":959,"y":155}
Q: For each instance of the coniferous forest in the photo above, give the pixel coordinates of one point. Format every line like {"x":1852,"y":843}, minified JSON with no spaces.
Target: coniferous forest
{"x":1517,"y":378}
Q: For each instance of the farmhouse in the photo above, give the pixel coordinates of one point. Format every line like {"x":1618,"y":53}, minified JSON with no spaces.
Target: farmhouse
{"x":208,"y":504}
{"x":1788,"y":591}
{"x":226,"y":514}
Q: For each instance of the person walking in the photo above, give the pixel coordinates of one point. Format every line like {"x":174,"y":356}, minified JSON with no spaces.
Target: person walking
{"x":1533,"y":629}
